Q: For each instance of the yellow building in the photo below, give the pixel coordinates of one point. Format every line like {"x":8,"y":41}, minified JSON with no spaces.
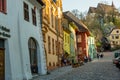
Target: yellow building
{"x":114,"y":37}
{"x":52,"y":32}
{"x":66,"y":41}
{"x":66,"y":33}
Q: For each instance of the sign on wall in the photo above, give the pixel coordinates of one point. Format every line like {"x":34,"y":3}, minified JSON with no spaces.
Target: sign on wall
{"x":4,"y":32}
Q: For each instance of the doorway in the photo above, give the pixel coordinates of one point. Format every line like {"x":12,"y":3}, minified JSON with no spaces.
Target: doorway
{"x":33,"y":55}
{"x":2,"y":65}
{"x":2,"y":60}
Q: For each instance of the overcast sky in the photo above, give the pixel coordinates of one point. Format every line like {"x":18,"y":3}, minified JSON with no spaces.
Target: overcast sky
{"x":83,"y":5}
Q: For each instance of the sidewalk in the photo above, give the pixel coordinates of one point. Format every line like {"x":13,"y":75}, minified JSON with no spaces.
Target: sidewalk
{"x":54,"y":73}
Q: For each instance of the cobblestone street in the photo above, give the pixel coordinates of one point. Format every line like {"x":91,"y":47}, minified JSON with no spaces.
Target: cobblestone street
{"x":99,"y":69}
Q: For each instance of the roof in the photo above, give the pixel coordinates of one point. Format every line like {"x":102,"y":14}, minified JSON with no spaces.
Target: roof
{"x":106,"y":8}
{"x":92,"y":10}
{"x":112,"y":30}
{"x":71,"y":17}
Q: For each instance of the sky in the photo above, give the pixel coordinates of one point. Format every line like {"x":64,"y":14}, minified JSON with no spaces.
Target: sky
{"x":83,"y":5}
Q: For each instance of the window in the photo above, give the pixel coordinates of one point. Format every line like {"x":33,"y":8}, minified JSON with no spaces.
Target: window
{"x":53,"y":45}
{"x":2,"y":43}
{"x":49,"y":44}
{"x":3,"y":6}
{"x":113,"y":42}
{"x":65,"y":38}
{"x":54,"y":64}
{"x":56,"y":22}
{"x":112,"y":37}
{"x":44,"y":38}
{"x":79,"y":38}
{"x":116,"y":42}
{"x":80,"y":50}
{"x":34,"y":17}
{"x":56,"y":47}
{"x":68,"y":39}
{"x":54,"y":1}
{"x":117,"y":31}
{"x":50,"y":64}
{"x":26,"y":12}
{"x":117,"y":37}
{"x":51,"y":18}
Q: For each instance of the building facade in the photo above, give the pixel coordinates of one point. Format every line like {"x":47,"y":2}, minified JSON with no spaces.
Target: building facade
{"x":82,"y":41}
{"x":73,"y":43}
{"x":114,"y":37}
{"x":21,"y":47}
{"x":78,"y":37}
{"x":52,"y":32}
{"x":92,"y":48}
{"x":66,"y":44}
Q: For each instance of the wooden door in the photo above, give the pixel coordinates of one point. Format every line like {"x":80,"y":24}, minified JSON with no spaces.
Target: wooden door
{"x":2,"y":65}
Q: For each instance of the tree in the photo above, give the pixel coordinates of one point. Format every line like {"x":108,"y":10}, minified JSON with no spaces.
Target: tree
{"x":78,"y":14}
{"x":117,"y":22}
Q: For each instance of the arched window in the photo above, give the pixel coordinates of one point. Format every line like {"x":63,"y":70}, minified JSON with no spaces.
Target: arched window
{"x":33,"y":55}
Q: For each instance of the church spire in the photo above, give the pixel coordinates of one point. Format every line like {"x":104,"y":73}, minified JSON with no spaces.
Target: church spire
{"x":112,"y":4}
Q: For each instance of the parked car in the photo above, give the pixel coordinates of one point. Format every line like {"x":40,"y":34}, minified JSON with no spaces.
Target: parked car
{"x":116,"y":54}
{"x":116,"y":61}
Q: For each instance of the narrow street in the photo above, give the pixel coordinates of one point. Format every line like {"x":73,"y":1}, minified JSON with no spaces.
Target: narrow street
{"x":99,"y":69}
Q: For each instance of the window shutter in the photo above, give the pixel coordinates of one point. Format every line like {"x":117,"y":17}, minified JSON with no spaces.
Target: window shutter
{"x":4,"y":6}
{"x":0,"y":5}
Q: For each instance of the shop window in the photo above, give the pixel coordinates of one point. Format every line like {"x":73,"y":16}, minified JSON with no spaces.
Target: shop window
{"x":26,"y":11}
{"x":3,"y":6}
{"x":34,"y":17}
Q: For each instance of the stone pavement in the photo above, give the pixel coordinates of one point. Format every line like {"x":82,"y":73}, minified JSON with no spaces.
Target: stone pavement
{"x":98,"y":69}
{"x":55,"y":73}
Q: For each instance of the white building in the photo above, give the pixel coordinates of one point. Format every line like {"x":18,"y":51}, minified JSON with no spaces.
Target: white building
{"x":21,"y":45}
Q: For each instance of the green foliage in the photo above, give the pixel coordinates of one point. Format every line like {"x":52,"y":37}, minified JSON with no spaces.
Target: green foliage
{"x":117,"y":22}
{"x":98,"y":44}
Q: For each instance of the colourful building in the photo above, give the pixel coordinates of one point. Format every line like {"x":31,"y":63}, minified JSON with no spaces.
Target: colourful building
{"x":22,"y":55}
{"x":66,"y":33}
{"x":73,"y":45}
{"x":74,"y":23}
{"x":82,"y":41}
{"x":114,"y":37}
{"x":91,"y":45}
{"x":52,"y":32}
